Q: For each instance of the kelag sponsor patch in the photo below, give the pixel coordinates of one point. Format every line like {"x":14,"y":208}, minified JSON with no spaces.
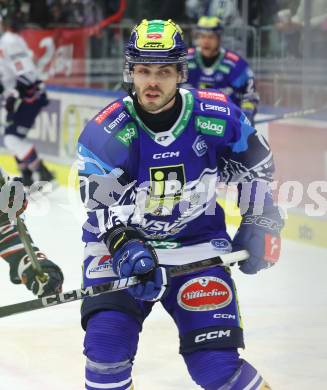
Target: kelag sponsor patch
{"x":204,"y":294}
{"x":211,"y":126}
{"x":127,"y":134}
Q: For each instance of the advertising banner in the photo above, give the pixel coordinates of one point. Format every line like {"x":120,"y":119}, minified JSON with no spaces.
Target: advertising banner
{"x":61,"y":54}
{"x":58,"y":53}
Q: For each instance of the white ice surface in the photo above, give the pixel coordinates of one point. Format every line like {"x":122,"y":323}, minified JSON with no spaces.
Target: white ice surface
{"x":284,"y":312}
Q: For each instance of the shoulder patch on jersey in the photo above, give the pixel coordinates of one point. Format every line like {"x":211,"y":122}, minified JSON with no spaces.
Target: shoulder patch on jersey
{"x":212,"y":95}
{"x":118,"y":120}
{"x":127,"y":134}
{"x":107,"y":111}
{"x":210,"y":126}
{"x":232,"y":56}
{"x":214,"y":107}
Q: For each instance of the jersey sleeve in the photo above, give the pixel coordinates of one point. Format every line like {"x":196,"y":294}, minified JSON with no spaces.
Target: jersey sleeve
{"x":106,"y":188}
{"x":248,"y":155}
{"x":248,"y":162}
{"x":16,"y":63}
{"x":242,"y":77}
{"x":242,"y":153}
{"x":243,"y":83}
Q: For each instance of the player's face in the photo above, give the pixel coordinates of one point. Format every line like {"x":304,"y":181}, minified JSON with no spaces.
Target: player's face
{"x":209,"y":43}
{"x":155,"y":85}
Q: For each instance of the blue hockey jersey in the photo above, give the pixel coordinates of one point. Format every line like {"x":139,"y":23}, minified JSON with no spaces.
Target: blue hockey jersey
{"x":230,"y":74}
{"x":164,"y":183}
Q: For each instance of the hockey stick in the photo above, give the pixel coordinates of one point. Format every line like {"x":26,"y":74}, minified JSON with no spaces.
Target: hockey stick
{"x":121,"y":284}
{"x":293,"y":114}
{"x":26,"y":240}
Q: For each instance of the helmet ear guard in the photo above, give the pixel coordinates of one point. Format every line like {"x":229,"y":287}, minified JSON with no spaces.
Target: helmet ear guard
{"x":127,"y":77}
{"x":156,"y":42}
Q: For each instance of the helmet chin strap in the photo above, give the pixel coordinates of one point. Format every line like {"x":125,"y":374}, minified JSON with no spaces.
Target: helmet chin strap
{"x":128,"y":87}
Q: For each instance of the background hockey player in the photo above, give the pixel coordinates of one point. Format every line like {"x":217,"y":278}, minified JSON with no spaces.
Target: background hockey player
{"x":24,"y":97}
{"x":149,"y":164}
{"x":12,"y":249}
{"x":212,"y":66}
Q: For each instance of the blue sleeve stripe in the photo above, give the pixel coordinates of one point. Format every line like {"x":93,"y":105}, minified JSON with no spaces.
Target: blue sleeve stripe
{"x":90,"y":163}
{"x":246,"y":130}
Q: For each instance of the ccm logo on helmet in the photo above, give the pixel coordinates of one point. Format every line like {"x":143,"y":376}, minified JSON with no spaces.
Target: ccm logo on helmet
{"x":157,"y":156}
{"x":216,"y":334}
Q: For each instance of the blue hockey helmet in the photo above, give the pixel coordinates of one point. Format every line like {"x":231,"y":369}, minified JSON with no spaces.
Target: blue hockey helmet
{"x":156,"y":42}
{"x":210,"y":24}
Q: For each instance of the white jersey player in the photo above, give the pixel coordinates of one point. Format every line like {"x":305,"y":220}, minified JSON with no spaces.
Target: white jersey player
{"x":24,"y":97}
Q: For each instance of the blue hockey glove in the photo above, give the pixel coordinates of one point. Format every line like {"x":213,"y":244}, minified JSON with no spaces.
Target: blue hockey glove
{"x":154,"y":285}
{"x":132,"y":256}
{"x":260,"y":236}
{"x":137,"y":258}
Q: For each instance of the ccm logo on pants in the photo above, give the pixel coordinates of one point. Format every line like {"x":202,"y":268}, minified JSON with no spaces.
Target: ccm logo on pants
{"x":216,"y":334}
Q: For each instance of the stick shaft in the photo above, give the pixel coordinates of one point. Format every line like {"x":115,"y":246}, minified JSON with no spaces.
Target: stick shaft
{"x":26,"y":240}
{"x":68,"y":296}
{"x":293,"y":114}
{"x":120,"y":284}
{"x":222,"y":260}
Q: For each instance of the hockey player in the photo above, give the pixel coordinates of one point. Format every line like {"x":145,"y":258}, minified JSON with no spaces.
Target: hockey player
{"x":13,"y":251}
{"x":212,"y":66}
{"x":149,"y":164}
{"x":24,"y":97}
